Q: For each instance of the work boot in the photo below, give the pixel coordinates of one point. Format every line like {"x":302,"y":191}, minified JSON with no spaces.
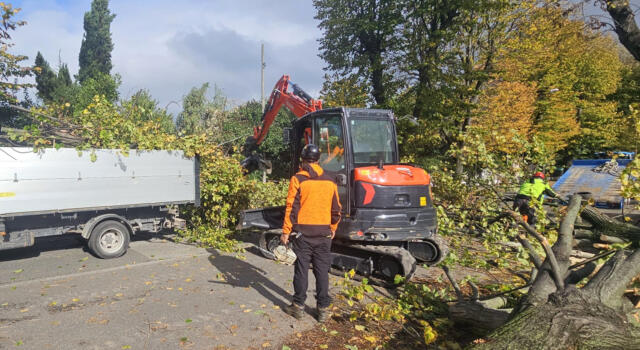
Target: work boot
{"x":324,"y":314}
{"x":294,"y":310}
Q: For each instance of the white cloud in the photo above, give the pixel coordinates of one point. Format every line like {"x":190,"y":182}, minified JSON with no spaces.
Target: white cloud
{"x":169,"y":47}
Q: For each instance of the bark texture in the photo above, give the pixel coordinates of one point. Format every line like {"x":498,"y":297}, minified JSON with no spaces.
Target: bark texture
{"x":625,"y":25}
{"x":570,"y":319}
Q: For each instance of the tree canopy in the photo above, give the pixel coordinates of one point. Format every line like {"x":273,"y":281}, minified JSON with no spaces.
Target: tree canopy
{"x":96,"y":48}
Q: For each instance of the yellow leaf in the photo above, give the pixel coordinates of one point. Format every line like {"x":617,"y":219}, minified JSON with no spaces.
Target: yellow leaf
{"x":371,"y":338}
{"x":359,"y":327}
{"x":430,"y":335}
{"x":147,"y":283}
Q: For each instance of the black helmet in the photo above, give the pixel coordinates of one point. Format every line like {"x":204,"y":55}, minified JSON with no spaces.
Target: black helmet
{"x":310,"y":152}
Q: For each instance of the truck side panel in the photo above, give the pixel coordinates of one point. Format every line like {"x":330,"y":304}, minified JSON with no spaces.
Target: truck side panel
{"x":63,"y":180}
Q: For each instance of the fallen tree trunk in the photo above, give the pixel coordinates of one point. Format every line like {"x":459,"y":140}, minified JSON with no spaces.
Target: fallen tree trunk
{"x":571,"y":319}
{"x":554,"y":314}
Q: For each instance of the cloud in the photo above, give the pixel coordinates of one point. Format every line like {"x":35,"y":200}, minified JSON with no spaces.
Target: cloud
{"x":168,"y":47}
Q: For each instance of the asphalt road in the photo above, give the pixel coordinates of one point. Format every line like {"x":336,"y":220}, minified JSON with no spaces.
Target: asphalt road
{"x":160,"y":295}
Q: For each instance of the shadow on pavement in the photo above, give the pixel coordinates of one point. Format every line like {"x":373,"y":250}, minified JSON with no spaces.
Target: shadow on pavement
{"x":239,"y":273}
{"x":72,"y":241}
{"x":44,"y":244}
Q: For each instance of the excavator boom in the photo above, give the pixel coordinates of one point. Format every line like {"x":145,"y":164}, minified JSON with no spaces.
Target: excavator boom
{"x":285,"y":93}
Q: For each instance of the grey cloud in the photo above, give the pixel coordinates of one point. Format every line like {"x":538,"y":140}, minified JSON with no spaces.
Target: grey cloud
{"x":232,"y":62}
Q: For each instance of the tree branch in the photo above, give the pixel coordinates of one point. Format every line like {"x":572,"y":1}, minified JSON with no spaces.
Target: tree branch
{"x":551,"y":260}
{"x":535,"y":259}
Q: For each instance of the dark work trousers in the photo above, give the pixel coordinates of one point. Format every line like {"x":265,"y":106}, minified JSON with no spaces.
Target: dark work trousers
{"x":521,"y":203}
{"x":316,"y":250}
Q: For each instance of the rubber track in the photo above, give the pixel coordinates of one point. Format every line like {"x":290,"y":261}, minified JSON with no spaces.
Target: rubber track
{"x":407,"y":261}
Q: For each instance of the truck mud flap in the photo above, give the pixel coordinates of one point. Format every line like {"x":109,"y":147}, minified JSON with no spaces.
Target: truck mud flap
{"x":17,"y":240}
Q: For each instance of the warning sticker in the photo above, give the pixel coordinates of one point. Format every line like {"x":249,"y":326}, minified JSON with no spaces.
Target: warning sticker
{"x":7,"y":194}
{"x":423,"y":201}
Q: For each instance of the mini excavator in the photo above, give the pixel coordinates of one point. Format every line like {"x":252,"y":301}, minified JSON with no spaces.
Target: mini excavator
{"x":388,"y":221}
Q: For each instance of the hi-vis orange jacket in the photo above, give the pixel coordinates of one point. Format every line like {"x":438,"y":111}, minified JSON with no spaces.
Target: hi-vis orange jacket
{"x":313,"y":205}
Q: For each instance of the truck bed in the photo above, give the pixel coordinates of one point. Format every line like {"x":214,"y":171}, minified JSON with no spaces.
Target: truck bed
{"x":580,"y":177}
{"x":67,"y":180}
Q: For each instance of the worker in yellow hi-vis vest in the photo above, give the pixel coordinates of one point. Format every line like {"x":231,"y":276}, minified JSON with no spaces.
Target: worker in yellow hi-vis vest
{"x":533,"y":189}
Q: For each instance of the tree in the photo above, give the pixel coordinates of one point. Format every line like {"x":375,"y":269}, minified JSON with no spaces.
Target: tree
{"x":10,"y":68}
{"x":95,"y":51}
{"x":359,"y":37}
{"x":142,"y":107}
{"x":346,"y":91}
{"x":557,"y":314}
{"x":11,"y":71}
{"x":448,"y":49}
{"x":46,"y":79}
{"x":51,"y":86}
{"x":574,"y":69}
{"x":199,"y":113}
{"x":503,"y":104}
{"x":625,"y":25}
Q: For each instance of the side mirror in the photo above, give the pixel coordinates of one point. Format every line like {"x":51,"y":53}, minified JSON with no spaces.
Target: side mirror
{"x":341,"y":179}
{"x":287,"y":135}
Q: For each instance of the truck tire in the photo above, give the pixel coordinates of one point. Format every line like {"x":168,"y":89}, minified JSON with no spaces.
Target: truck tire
{"x":109,"y":239}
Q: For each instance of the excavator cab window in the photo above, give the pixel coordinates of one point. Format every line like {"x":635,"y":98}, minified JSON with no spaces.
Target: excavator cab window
{"x":328,"y":136}
{"x":373,"y":141}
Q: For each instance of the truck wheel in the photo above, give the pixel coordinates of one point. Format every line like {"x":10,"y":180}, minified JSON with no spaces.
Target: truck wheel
{"x":109,"y":239}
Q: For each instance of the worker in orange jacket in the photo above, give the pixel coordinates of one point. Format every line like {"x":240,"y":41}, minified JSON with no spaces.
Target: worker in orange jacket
{"x":313,"y":212}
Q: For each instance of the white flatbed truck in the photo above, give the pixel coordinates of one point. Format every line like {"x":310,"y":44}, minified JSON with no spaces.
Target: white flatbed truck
{"x":105,"y":200}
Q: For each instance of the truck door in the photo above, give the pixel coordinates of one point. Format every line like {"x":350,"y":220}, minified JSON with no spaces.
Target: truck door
{"x":328,"y":135}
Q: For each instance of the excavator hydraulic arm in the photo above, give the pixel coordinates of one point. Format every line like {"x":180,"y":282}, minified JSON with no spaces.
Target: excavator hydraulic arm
{"x":287,"y":94}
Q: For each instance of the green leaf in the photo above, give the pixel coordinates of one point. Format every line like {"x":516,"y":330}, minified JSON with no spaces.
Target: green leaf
{"x":188,"y":320}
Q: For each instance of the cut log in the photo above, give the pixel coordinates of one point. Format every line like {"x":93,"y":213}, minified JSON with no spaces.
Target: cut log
{"x":612,"y":239}
{"x":583,"y":244}
{"x":581,"y":254}
{"x":610,"y":227}
{"x":585,"y":234}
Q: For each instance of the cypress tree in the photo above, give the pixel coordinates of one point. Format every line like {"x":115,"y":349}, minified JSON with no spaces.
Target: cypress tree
{"x":95,"y":51}
{"x":46,"y":79}
{"x":64,"y":77}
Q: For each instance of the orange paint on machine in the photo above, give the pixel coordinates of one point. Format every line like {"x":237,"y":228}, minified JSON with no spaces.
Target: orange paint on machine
{"x":393,"y":175}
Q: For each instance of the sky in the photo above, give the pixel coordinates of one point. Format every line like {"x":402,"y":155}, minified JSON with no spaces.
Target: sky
{"x":169,"y":47}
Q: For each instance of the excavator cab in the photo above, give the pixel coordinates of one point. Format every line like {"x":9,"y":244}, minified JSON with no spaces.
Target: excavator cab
{"x":347,"y":138}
